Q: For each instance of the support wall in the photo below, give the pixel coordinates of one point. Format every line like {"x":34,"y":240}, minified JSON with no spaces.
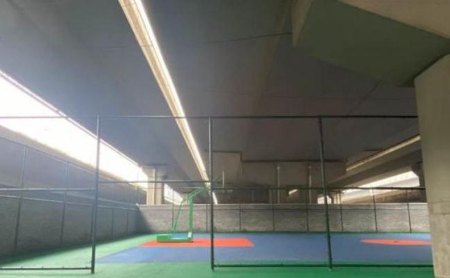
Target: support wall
{"x":433,"y":101}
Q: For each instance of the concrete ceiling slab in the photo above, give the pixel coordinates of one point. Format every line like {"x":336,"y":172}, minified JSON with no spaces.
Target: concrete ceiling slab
{"x":295,"y":73}
{"x":219,"y":73}
{"x":226,"y":58}
{"x":367,"y":43}
{"x":82,"y":57}
{"x":431,"y":16}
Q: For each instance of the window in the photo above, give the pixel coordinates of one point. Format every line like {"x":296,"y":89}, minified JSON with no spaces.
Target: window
{"x":61,"y":134}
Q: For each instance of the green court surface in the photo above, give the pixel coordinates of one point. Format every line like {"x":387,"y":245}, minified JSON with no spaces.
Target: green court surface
{"x":80,"y":257}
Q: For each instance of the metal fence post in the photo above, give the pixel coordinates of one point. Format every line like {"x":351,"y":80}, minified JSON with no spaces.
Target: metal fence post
{"x":325,"y":195}
{"x":95,"y":205}
{"x":309,"y":184}
{"x":206,"y":217}
{"x":340,"y":210}
{"x":240,"y":220}
{"x":173,"y":206}
{"x":374,"y":210}
{"x":155,"y":185}
{"x":409,"y":212}
{"x":112,"y":222}
{"x":63,"y":216}
{"x":273,"y":216}
{"x":211,"y":186}
{"x":307,"y":216}
{"x":19,"y":208}
{"x":128,"y":213}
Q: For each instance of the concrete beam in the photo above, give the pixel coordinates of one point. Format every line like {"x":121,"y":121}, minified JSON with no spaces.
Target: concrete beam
{"x":364,"y":42}
{"x":431,"y":16}
{"x":228,"y":162}
{"x":300,"y":10}
{"x":400,"y":159}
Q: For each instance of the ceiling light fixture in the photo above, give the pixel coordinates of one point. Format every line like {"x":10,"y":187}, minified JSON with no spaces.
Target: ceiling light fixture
{"x":385,"y":152}
{"x":64,"y":135}
{"x":143,"y":30}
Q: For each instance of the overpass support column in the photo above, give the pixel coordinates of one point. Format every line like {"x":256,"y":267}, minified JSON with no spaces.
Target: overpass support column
{"x":433,"y":101}
{"x":152,"y":188}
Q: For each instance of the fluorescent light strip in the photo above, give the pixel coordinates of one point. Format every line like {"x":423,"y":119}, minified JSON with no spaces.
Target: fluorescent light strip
{"x":384,"y":153}
{"x":393,"y":179}
{"x":143,"y":30}
{"x":400,"y":180}
{"x":61,"y":134}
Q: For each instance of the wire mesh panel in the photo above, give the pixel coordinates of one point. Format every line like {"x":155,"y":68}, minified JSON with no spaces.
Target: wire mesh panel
{"x":48,"y":196}
{"x":10,"y":162}
{"x":264,"y":215}
{"x":363,"y":224}
{"x":36,"y":213}
{"x":278,"y":197}
{"x":270,"y":233}
{"x":373,"y":194}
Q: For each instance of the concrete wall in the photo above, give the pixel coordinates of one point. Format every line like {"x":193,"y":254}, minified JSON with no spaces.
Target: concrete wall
{"x":271,"y":174}
{"x":291,"y":218}
{"x":433,"y":100}
{"x":420,"y":14}
{"x":47,"y":224}
{"x":52,"y":219}
{"x":24,"y":163}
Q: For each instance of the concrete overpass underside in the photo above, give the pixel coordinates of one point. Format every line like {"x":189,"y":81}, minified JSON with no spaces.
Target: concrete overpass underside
{"x":333,"y":60}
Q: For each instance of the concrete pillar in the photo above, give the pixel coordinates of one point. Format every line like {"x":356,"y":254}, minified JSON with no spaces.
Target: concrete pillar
{"x":159,"y":194}
{"x":160,"y":191}
{"x":278,"y":177}
{"x":312,"y":194}
{"x":152,"y":192}
{"x":417,"y":168}
{"x":433,"y":101}
{"x":158,"y":186}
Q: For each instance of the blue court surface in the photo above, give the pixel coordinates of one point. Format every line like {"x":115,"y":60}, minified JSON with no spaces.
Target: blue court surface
{"x":389,"y":248}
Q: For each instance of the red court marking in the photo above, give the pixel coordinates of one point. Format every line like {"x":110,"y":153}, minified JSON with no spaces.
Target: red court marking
{"x":396,"y":242}
{"x":203,"y":242}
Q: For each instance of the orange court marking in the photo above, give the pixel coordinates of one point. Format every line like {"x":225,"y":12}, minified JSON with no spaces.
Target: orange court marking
{"x":203,"y":242}
{"x":396,"y":242}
